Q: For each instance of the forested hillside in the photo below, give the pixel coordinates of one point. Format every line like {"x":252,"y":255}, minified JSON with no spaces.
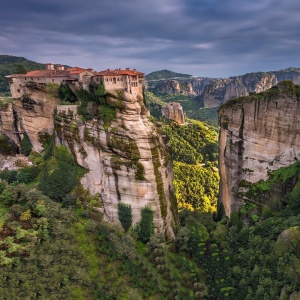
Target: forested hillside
{"x":165,"y":74}
{"x":195,"y":153}
{"x":13,"y":64}
{"x":192,"y":106}
{"x":60,"y":248}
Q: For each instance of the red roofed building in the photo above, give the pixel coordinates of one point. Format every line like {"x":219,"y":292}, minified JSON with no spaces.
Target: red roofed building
{"x":127,"y":80}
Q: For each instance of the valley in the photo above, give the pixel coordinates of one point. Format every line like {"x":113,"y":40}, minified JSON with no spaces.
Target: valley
{"x":101,"y":197}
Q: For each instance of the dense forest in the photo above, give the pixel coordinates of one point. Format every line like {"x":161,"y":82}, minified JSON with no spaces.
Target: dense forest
{"x":54,"y":245}
{"x":195,"y":153}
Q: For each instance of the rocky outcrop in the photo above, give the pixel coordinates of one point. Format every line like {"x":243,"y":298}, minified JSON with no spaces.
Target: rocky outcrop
{"x":127,"y":162}
{"x":191,"y":86}
{"x":32,"y":115}
{"x":219,"y":91}
{"x":258,"y":134}
{"x":173,"y":111}
{"x":7,"y":121}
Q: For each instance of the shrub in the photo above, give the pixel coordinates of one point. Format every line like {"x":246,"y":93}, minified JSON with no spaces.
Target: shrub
{"x":27,"y":174}
{"x":52,"y":89}
{"x":60,"y":174}
{"x":107,"y":114}
{"x":8,"y":175}
{"x":7,"y":146}
{"x":66,"y":94}
{"x":125,"y":215}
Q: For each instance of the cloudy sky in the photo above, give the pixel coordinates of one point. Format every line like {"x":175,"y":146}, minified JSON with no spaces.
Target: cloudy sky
{"x":215,"y":38}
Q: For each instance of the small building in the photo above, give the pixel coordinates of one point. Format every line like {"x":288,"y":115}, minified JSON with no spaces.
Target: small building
{"x":127,"y":80}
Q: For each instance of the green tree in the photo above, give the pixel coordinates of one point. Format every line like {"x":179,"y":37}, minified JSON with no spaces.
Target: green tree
{"x":145,"y":227}
{"x":100,"y":93}
{"x":66,"y":94}
{"x":125,"y":215}
{"x":21,"y":69}
{"x":26,"y":145}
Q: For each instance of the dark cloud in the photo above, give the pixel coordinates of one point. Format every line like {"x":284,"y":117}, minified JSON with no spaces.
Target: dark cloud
{"x":202,"y":37}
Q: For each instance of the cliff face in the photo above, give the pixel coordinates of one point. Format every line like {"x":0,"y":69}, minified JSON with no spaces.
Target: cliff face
{"x":173,"y":111}
{"x":257,"y":134}
{"x":128,"y":160}
{"x":191,"y":86}
{"x":213,"y":92}
{"x":219,"y":91}
{"x":32,"y":115}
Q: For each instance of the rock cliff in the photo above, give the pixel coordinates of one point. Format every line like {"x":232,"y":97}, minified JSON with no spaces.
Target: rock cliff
{"x":213,"y":92}
{"x":128,"y":160}
{"x":173,"y":111}
{"x":259,"y":133}
{"x":191,"y":86}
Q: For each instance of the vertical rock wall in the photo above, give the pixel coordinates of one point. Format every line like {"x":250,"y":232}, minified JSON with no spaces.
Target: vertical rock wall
{"x":257,"y":135}
{"x":127,"y":161}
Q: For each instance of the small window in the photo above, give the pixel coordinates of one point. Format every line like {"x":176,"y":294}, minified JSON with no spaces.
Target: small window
{"x":52,"y":80}
{"x":18,"y":90}
{"x":31,"y":78}
{"x":25,"y":78}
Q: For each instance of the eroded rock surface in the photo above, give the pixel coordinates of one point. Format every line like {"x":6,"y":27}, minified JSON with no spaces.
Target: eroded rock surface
{"x":257,"y":135}
{"x":128,"y":161}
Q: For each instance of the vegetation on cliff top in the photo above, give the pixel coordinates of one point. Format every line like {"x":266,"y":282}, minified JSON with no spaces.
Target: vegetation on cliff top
{"x":283,"y":88}
{"x":13,"y":65}
{"x":163,"y":74}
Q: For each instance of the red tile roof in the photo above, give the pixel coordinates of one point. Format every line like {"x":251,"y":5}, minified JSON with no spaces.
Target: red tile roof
{"x":75,"y":70}
{"x":119,"y":72}
{"x":46,"y":73}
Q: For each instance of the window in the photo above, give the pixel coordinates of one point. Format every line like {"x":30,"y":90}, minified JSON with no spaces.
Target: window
{"x":18,"y":90}
{"x":52,"y":80}
{"x":31,"y":78}
{"x":114,"y":80}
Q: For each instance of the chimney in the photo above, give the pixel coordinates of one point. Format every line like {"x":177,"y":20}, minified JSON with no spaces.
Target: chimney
{"x":50,"y":66}
{"x":60,"y":67}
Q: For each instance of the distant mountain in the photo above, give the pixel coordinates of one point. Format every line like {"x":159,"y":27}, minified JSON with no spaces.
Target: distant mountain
{"x":13,"y":64}
{"x":212,"y":92}
{"x":165,"y":74}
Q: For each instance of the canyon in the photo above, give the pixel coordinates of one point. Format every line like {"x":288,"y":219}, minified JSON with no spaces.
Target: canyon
{"x":212,"y":92}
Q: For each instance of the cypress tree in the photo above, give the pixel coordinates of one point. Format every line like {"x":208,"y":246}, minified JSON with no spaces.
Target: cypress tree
{"x":125,"y":215}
